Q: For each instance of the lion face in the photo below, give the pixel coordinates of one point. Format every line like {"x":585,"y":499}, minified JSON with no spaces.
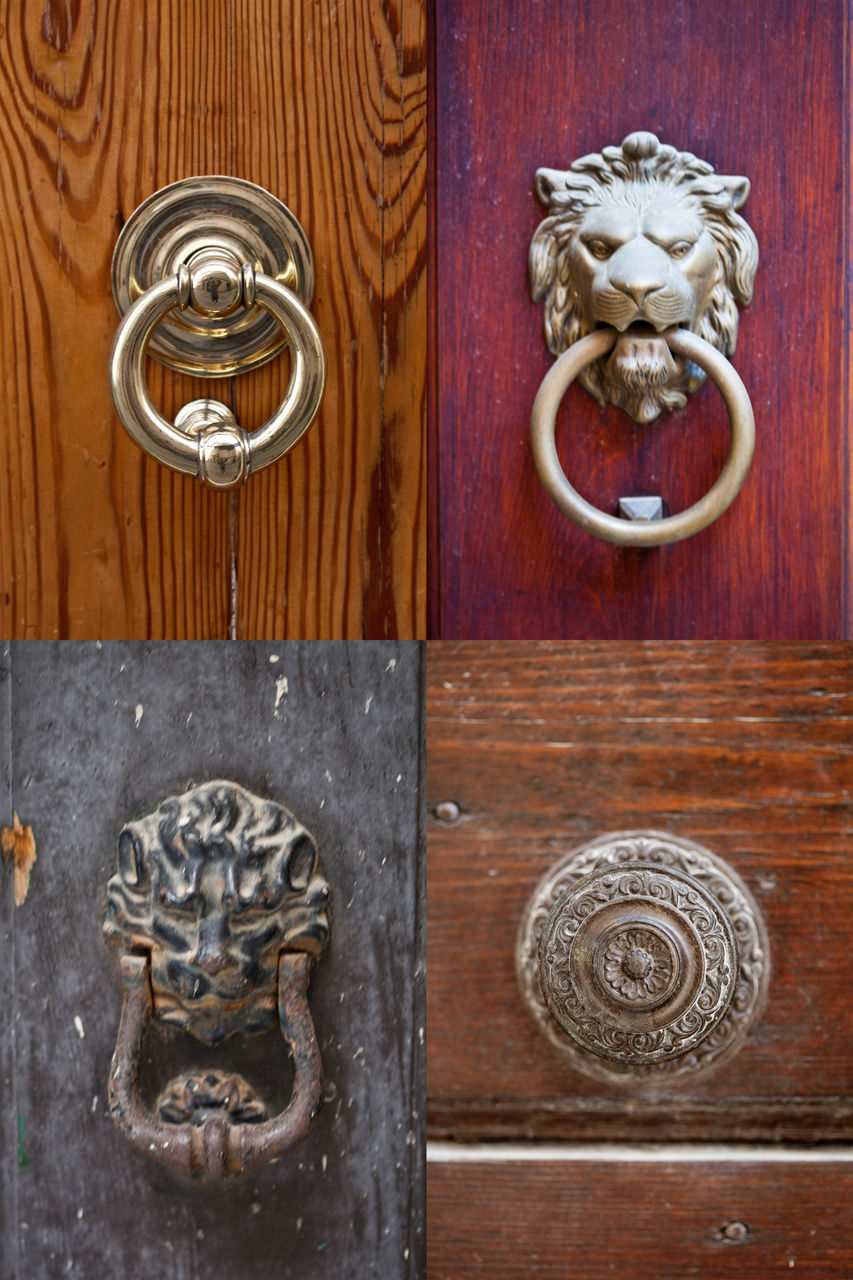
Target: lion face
{"x":642,"y":238}
{"x":214,"y":885}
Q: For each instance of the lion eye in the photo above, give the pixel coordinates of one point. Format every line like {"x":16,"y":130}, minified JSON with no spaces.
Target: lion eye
{"x":680,"y":249}
{"x":600,"y":249}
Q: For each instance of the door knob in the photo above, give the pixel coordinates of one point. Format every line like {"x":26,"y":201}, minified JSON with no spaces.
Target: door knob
{"x":217,"y":907}
{"x":642,"y":261}
{"x":643,"y":957}
{"x":214,"y":276}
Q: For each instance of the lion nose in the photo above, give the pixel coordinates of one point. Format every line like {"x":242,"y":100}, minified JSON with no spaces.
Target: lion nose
{"x":635,"y":272}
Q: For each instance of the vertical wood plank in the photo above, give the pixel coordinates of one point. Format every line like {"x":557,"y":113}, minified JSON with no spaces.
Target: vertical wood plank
{"x":330,"y":115}
{"x":734,"y":86}
{"x":8,"y":1111}
{"x":335,"y":733}
{"x":100,"y":104}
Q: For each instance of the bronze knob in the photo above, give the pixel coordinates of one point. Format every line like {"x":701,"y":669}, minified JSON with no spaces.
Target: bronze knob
{"x":643,"y":955}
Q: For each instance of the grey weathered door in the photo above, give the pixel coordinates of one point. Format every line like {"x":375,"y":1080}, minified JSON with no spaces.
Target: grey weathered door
{"x":92,"y":736}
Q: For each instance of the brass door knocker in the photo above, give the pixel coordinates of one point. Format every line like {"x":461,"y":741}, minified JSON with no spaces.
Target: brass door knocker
{"x":642,"y":262}
{"x":214,"y":276}
{"x":218,"y":907}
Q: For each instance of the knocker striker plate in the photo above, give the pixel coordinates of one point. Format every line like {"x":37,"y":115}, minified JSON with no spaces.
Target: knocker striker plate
{"x":217,"y":908}
{"x":642,"y":261}
{"x":643,"y":958}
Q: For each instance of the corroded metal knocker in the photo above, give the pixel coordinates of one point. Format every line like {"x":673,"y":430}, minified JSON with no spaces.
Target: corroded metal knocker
{"x":642,"y":262}
{"x":218,"y":906}
{"x":214,"y":276}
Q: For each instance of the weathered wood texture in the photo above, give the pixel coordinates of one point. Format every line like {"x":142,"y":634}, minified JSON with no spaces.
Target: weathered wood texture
{"x":596,"y":1220}
{"x":544,"y":85}
{"x":101,"y":105}
{"x":98,"y":736}
{"x":746,"y":748}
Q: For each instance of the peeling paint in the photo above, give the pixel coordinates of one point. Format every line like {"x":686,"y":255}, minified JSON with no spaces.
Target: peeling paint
{"x":18,"y":843}
{"x":280,"y":691}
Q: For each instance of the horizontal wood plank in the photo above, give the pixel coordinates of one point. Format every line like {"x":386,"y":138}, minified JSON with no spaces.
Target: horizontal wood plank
{"x":489,"y":1221}
{"x":744,"y":748}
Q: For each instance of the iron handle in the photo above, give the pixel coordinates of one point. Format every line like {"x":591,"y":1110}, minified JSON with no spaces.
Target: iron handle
{"x":217,"y":1148}
{"x":642,"y":261}
{"x":218,"y":907}
{"x":643,"y":957}
{"x":189,"y":279}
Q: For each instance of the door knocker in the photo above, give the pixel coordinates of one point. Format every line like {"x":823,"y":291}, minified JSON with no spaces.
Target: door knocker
{"x":218,"y":908}
{"x":642,"y":262}
{"x":214,"y":276}
{"x":643,"y":958}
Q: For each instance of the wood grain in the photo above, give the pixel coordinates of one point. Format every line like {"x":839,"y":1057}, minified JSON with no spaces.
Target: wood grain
{"x":671,"y":1221}
{"x":100,"y":106}
{"x":746,"y":748}
{"x":733,"y":87}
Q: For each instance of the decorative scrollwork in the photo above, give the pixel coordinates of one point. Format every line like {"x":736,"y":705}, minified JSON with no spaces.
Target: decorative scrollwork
{"x":643,"y":957}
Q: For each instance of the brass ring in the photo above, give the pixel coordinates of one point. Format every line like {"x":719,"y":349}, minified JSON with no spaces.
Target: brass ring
{"x":673,"y":528}
{"x":233,"y":454}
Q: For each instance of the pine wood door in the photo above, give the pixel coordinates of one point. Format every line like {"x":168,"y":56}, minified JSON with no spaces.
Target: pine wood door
{"x":102,"y":104}
{"x":758,"y":89}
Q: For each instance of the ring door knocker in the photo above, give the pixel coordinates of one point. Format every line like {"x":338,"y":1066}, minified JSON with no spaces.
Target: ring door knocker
{"x":217,"y":906}
{"x":643,"y":958}
{"x":642,"y":261}
{"x":213,"y":277}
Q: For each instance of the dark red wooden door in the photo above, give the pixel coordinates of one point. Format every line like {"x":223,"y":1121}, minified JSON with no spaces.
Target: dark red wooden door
{"x":755,"y":89}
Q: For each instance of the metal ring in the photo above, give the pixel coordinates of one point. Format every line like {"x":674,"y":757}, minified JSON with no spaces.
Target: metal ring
{"x":673,"y":528}
{"x":249,"y":451}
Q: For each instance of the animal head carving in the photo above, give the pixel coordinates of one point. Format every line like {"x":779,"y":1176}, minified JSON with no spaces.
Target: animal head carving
{"x":214,"y":885}
{"x":642,"y":238}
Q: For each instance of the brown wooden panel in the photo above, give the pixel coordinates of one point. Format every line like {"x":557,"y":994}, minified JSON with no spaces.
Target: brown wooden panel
{"x":745,"y":748}
{"x":543,"y":85}
{"x":100,"y":107}
{"x":332,"y":107}
{"x":595,"y":1219}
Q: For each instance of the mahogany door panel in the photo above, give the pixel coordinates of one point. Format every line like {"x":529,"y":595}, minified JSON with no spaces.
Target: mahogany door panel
{"x":102,"y":105}
{"x":93,"y":737}
{"x":536,"y":749}
{"x":494,"y":1221}
{"x":755,"y":91}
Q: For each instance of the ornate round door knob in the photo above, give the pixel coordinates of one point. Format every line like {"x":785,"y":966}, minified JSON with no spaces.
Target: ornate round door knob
{"x":643,"y":956}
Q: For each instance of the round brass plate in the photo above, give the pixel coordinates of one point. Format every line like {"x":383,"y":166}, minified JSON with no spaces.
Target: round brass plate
{"x":197,"y":213}
{"x":643,"y":958}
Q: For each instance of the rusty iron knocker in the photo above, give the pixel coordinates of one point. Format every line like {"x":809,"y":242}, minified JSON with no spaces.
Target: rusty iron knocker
{"x":219,"y":908}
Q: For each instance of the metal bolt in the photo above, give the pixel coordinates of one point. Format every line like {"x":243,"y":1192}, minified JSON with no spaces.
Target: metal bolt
{"x":735,"y":1231}
{"x":447,"y":811}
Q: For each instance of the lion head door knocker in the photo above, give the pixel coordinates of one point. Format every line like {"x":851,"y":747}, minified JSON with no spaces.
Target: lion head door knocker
{"x":218,"y":907}
{"x":643,"y":958}
{"x":642,"y":261}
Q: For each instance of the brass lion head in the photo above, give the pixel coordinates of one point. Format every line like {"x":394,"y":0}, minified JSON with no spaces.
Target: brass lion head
{"x":642,"y":238}
{"x":213,"y":886}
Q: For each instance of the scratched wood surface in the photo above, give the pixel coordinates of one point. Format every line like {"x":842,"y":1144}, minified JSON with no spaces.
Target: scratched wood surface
{"x":100,"y":105}
{"x":734,"y":85}
{"x":746,"y":748}
{"x":671,"y":1221}
{"x":332,"y":731}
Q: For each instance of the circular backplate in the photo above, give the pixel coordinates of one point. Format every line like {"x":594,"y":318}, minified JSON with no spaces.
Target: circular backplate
{"x":643,"y":958}
{"x":196,"y":213}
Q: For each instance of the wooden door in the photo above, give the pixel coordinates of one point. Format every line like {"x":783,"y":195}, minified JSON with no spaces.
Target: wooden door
{"x":102,"y":104}
{"x":94,"y":736}
{"x":537,"y":1166}
{"x":758,"y":90}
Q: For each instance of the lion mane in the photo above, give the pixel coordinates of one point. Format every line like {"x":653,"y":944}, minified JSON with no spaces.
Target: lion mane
{"x":636,"y":173}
